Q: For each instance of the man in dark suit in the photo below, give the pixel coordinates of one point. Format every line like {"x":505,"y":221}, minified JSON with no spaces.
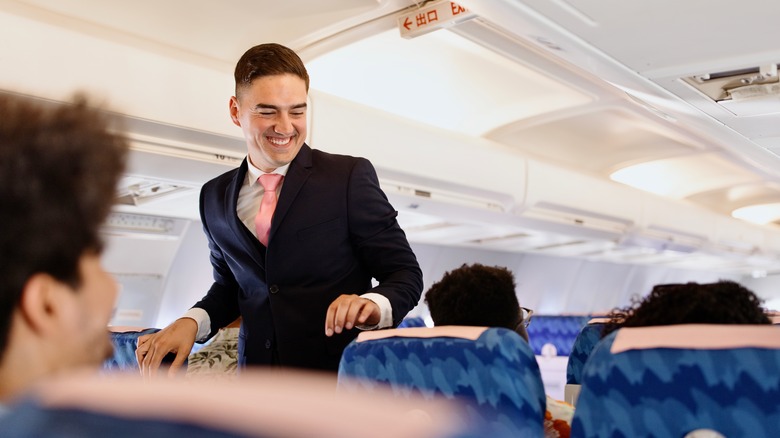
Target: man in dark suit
{"x":304,"y":285}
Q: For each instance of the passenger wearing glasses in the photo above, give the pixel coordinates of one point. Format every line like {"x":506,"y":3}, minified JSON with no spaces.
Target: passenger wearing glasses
{"x":479,"y":295}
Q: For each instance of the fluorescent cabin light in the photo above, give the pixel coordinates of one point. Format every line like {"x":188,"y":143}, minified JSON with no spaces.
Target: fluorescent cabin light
{"x":650,"y":177}
{"x":680,"y":177}
{"x":759,"y":214}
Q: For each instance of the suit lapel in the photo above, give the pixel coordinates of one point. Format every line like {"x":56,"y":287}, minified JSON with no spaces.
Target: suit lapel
{"x":252,"y":245}
{"x":297,"y":174}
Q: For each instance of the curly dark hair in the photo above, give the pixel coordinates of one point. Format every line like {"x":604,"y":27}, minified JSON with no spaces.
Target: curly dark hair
{"x":475,"y":295}
{"x":723,"y":302}
{"x":268,"y":60}
{"x":59,"y":167}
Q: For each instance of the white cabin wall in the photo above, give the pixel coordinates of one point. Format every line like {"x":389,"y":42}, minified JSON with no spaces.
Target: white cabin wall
{"x":189,"y":278}
{"x":767,"y":288}
{"x":556,"y":285}
{"x":141,"y":266}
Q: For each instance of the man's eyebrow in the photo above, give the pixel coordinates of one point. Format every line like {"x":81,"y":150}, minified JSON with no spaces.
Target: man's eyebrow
{"x":274,"y":107}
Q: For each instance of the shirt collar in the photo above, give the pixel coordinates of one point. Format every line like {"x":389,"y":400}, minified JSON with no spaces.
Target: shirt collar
{"x":254,"y":173}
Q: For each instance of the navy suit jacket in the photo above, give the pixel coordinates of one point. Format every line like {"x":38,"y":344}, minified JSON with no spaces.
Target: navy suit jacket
{"x":332,"y":232}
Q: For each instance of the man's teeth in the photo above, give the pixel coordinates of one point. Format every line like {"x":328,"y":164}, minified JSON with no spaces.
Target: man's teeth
{"x":279,"y":141}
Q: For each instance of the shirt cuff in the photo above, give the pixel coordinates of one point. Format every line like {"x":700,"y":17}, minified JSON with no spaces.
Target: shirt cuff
{"x":385,"y":311}
{"x":203,"y":320}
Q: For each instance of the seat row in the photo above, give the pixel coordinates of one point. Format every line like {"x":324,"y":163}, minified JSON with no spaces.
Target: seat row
{"x":666,"y":381}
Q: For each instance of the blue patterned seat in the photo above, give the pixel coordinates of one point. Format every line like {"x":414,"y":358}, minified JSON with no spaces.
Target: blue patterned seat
{"x":125,"y":343}
{"x":668,"y":381}
{"x":492,"y":370}
{"x":124,"y":349}
{"x":558,"y":330}
{"x":414,"y":321}
{"x":589,"y":336}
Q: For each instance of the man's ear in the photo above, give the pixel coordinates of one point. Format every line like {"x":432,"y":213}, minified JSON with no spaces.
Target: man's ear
{"x":234,"y":111}
{"x":42,"y":298}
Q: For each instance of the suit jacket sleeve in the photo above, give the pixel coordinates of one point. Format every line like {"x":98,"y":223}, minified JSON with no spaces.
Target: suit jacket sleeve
{"x":221,"y":302}
{"x":380,"y":242}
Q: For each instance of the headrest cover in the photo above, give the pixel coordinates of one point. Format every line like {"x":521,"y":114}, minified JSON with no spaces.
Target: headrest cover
{"x":599,"y":320}
{"x":449,"y":331}
{"x":697,"y":337}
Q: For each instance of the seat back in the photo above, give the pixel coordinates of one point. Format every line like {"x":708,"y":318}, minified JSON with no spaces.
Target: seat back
{"x":557,"y":330}
{"x":414,"y":321}
{"x":260,"y":403}
{"x":125,"y":343}
{"x":492,"y":370}
{"x":669,"y":381}
{"x":588,"y":337}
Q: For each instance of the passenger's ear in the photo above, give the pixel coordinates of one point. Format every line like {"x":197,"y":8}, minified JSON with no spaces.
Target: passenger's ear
{"x":520,"y":330}
{"x":42,"y":302}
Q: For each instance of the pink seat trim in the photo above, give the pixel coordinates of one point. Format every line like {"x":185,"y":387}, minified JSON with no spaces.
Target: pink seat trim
{"x":450,"y":331}
{"x":599,"y":321}
{"x":696,"y":336}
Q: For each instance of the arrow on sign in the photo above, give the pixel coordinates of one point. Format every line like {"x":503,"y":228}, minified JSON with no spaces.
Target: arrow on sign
{"x":439,"y":14}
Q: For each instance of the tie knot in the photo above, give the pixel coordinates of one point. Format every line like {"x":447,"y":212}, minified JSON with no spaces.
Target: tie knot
{"x":270,"y":181}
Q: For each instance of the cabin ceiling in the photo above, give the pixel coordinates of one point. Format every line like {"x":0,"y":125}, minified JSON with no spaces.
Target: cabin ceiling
{"x":216,"y":32}
{"x":663,"y":45}
{"x":600,"y":86}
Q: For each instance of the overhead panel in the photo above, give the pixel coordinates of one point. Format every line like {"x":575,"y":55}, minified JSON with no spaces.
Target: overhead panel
{"x":746,"y":92}
{"x":577,"y":203}
{"x":672,"y":225}
{"x":736,"y":238}
{"x":439,"y":72}
{"x":597,"y":140}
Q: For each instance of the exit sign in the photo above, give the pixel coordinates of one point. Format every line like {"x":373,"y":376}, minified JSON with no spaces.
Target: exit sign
{"x":435,"y":16}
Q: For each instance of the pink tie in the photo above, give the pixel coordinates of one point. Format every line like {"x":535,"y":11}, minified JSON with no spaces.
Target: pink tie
{"x":269,"y":182}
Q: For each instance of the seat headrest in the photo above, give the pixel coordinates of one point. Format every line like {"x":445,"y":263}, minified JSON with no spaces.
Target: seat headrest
{"x":598,"y":321}
{"x":697,"y":336}
{"x":449,"y":331}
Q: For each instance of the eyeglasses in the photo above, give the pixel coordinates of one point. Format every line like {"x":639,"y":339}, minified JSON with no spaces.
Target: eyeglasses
{"x":527,"y":314}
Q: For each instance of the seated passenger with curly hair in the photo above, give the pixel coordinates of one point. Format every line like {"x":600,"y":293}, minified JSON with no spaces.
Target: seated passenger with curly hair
{"x":476,"y":295}
{"x":723,"y":302}
{"x":59,"y":167}
{"x":479,"y":295}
